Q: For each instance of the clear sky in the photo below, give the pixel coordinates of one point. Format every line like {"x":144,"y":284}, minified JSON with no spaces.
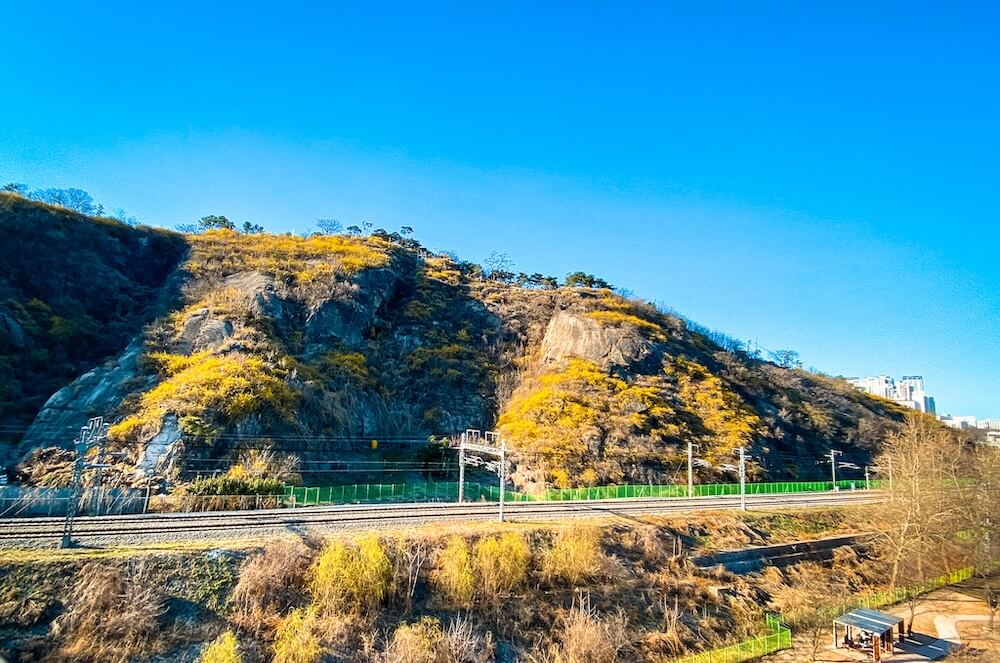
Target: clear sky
{"x":822,"y":176}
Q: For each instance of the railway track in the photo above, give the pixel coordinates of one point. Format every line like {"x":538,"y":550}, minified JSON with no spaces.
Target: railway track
{"x":158,"y":527}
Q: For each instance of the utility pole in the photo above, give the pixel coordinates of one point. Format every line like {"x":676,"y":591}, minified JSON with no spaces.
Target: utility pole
{"x":868,"y":483}
{"x":94,"y":432}
{"x":743,"y":478}
{"x":461,"y":469}
{"x":833,"y":465}
{"x":690,"y":469}
{"x":502,"y":470}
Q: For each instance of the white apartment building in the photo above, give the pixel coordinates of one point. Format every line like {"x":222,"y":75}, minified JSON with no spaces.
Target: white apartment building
{"x":908,"y":392}
{"x":989,"y":424}
{"x":962,"y":423}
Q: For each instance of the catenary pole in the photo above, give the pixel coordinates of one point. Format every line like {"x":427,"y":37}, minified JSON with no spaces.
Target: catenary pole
{"x":833,"y":465}
{"x":743,"y":478}
{"x":690,"y":469}
{"x":461,"y":469}
{"x":502,"y":473}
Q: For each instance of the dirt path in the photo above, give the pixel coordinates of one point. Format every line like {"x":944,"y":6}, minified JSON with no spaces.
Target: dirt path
{"x":942,"y":621}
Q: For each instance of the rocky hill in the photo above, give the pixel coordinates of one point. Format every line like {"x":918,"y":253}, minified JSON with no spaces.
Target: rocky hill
{"x":197,"y":345}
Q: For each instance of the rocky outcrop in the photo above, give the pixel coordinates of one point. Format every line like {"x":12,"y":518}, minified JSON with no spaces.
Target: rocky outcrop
{"x":95,"y":393}
{"x":572,"y":335}
{"x":161,"y":448}
{"x":11,"y":331}
{"x":352,"y":308}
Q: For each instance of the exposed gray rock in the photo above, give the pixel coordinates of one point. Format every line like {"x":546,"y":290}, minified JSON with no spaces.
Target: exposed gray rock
{"x":161,"y":448}
{"x":203,"y":332}
{"x":571,"y":335}
{"x":352,"y":308}
{"x":96,"y":392}
{"x":265,"y":298}
{"x":11,"y":330}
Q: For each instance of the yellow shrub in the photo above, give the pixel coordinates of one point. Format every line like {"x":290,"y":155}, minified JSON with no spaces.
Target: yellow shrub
{"x":415,"y":643}
{"x":453,"y":574}
{"x":225,"y":649}
{"x":622,"y":318}
{"x":297,"y":640}
{"x":355,"y":576}
{"x":721,"y":411}
{"x":501,"y":563}
{"x":442,"y":269}
{"x":232,"y":386}
{"x":319,"y":257}
{"x":575,"y":556}
{"x":568,"y":412}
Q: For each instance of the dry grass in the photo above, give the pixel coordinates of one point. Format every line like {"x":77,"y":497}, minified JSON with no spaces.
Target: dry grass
{"x":575,"y":557}
{"x":501,"y":563}
{"x":113,"y":614}
{"x":426,"y":642}
{"x":453,"y":576}
{"x":270,"y":582}
{"x":586,"y":637}
{"x":351,"y":577}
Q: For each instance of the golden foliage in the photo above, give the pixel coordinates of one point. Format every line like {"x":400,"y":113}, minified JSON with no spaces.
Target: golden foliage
{"x":227,"y":303}
{"x":345,"y":365}
{"x":453,"y":575}
{"x":729,"y":421}
{"x":356,"y":576}
{"x":566,"y":413}
{"x":501,"y":563}
{"x":297,"y":639}
{"x":442,"y":268}
{"x":575,"y":556}
{"x":624,"y":318}
{"x":201,"y":386}
{"x":225,"y":649}
{"x":303,"y":259}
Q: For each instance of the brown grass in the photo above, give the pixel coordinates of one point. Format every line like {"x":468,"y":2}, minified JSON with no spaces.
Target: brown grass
{"x":114,"y":614}
{"x":270,"y":583}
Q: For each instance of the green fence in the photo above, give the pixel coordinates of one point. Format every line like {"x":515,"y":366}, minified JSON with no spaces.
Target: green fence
{"x":898,"y":595}
{"x":447,"y":491}
{"x":778,"y":637}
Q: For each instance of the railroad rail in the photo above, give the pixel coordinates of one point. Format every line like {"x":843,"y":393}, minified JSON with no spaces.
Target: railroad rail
{"x":157,"y":527}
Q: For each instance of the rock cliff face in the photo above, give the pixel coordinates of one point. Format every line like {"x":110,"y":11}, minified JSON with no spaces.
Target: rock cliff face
{"x":571,"y":335}
{"x":317,"y":345}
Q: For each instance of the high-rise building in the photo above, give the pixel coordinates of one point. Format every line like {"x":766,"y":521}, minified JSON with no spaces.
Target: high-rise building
{"x":909,"y":391}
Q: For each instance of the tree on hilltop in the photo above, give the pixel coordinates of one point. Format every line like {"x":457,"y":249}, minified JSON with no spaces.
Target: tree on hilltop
{"x":215,"y":222}
{"x":584,"y":280}
{"x":13,"y":187}
{"x":786,"y":358}
{"x":329,"y":226}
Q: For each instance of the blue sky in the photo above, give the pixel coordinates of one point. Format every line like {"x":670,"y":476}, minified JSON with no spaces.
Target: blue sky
{"x":821,"y":176}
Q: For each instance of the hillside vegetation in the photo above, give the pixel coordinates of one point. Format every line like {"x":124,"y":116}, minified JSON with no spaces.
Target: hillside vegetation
{"x":73,"y":291}
{"x":312,"y":344}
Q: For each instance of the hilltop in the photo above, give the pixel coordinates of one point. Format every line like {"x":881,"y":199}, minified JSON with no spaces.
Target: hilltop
{"x":199,"y":344}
